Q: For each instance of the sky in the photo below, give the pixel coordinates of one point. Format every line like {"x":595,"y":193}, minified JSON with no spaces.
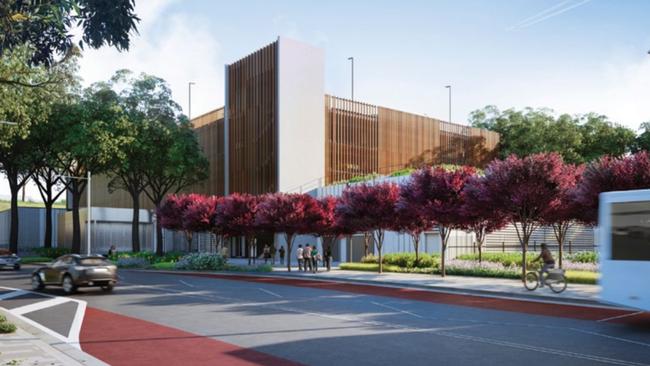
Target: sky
{"x":573,"y":56}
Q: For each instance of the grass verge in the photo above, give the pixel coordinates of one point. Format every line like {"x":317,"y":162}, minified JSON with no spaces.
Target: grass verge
{"x":28,"y":260}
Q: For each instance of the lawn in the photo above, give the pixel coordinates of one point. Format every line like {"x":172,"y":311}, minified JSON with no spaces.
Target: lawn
{"x":5,"y":205}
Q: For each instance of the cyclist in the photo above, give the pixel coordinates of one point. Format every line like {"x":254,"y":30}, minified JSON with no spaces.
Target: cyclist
{"x":548,"y":260}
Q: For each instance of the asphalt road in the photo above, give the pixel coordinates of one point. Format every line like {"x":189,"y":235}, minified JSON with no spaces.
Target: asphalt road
{"x":324,"y":327}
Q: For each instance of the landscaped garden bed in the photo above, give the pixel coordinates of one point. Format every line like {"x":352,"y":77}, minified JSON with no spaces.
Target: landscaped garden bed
{"x":580,"y":267}
{"x":178,"y":261}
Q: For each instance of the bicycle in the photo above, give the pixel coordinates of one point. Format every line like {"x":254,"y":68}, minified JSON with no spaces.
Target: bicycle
{"x":555,"y":280}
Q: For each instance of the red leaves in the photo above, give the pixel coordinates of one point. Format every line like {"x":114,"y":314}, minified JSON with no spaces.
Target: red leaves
{"x":235,"y":216}
{"x":289,"y":213}
{"x":611,"y":174}
{"x":367,"y":207}
{"x":437,"y":194}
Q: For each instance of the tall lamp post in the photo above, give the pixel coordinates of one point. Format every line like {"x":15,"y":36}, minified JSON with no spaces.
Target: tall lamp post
{"x":352,"y":76}
{"x":189,"y":101}
{"x":88,"y":177}
{"x":449,"y":88}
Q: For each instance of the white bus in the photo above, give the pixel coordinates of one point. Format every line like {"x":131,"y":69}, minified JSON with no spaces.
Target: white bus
{"x":624,"y":240}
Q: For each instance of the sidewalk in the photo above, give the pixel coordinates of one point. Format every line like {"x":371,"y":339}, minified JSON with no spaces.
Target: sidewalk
{"x":30,"y":346}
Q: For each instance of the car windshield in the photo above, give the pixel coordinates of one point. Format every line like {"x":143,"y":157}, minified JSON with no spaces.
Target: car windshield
{"x":93,"y":262}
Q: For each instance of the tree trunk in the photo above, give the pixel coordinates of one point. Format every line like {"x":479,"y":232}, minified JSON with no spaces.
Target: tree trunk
{"x":560,"y":244}
{"x":524,"y":246}
{"x":444,"y":235}
{"x":135,"y":222}
{"x":366,"y":243}
{"x":479,"y":246}
{"x":289,"y":239}
{"x":188,"y":236}
{"x":13,"y":231}
{"x":379,"y":242}
{"x":416,"y":246}
{"x":160,"y":251}
{"x":47,"y":241}
{"x":76,"y":224}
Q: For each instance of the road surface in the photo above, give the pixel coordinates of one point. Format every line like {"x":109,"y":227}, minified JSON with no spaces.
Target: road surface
{"x":157,"y":319}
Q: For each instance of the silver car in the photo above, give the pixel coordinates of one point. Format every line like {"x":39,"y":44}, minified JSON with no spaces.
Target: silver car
{"x":72,"y":271}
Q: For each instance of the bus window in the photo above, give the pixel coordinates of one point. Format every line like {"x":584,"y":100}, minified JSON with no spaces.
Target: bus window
{"x":631,"y":231}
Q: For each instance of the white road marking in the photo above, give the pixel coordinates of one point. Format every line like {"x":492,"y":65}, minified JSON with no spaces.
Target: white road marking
{"x":39,"y":305}
{"x":396,"y":309}
{"x":620,"y":316}
{"x":186,"y":284}
{"x":270,"y":292}
{"x":73,"y":335}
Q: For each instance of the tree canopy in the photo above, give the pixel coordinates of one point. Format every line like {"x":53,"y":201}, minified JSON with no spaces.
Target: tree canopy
{"x":578,"y":139}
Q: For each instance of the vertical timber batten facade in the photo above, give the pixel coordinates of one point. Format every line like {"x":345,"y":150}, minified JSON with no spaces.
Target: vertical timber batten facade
{"x":252,"y":122}
{"x":363,"y":139}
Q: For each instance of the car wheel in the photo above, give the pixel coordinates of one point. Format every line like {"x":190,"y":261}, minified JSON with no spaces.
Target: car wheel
{"x":107,"y":288}
{"x":68,"y":285}
{"x":17,"y":267}
{"x":37,"y":284}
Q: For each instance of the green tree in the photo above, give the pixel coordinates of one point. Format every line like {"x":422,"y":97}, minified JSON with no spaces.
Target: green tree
{"x":602,"y":137}
{"x":95,"y":131}
{"x":27,"y":107}
{"x":150,"y":109}
{"x":176,"y":163}
{"x":530,"y":131}
{"x":48,"y":26}
{"x":643,"y":140}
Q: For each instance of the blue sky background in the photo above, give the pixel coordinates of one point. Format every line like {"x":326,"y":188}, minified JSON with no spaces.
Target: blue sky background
{"x":573,"y":56}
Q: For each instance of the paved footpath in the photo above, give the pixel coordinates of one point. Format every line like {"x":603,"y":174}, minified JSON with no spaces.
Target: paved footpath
{"x":578,"y":293}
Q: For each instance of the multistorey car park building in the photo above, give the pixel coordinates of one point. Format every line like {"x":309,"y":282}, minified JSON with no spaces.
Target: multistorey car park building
{"x":280,"y":131}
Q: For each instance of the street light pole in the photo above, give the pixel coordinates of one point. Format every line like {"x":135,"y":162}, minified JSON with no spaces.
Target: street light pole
{"x":352,"y":75}
{"x":449,"y":88}
{"x":189,"y":102}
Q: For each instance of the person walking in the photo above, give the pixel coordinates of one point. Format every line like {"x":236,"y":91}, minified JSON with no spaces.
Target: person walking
{"x":282,"y":255}
{"x":300,"y":258}
{"x":306,"y":255}
{"x":315,"y":257}
{"x":267,"y":253}
{"x":328,"y":258}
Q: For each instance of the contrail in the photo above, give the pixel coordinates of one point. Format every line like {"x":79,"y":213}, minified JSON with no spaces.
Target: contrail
{"x":551,"y":12}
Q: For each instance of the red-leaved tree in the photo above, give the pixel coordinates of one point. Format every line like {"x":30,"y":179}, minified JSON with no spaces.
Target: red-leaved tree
{"x":611,"y":174}
{"x":371,"y":208}
{"x":333,"y":226}
{"x":200,"y":216}
{"x":410,"y":218}
{"x":171,"y":213}
{"x":235,"y":217}
{"x":478,"y":217}
{"x":290,"y":214}
{"x":522,"y":189}
{"x":438,"y":192}
{"x":562,"y":216}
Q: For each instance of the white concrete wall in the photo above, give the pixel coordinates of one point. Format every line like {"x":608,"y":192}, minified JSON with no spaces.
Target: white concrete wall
{"x":301,"y":116}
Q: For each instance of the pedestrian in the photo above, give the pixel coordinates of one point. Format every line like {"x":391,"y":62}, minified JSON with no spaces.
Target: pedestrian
{"x":300,"y":258}
{"x":315,"y":257}
{"x":267,"y":253}
{"x":306,"y":255}
{"x":282,"y":255}
{"x":328,"y":258}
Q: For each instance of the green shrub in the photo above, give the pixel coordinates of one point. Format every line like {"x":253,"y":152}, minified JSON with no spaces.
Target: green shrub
{"x":132,"y":262}
{"x":586,"y":277}
{"x":201,"y":262}
{"x":50,"y":252}
{"x":374,"y":267}
{"x":7,"y":328}
{"x":405,"y":260}
{"x":3,"y":318}
{"x":583,"y":257}
{"x":507,"y":259}
{"x":164,"y":265}
{"x":402,"y":172}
